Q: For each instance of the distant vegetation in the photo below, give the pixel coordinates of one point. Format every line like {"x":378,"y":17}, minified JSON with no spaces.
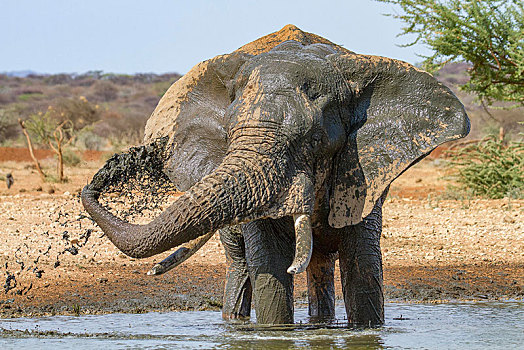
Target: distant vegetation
{"x":105,"y":111}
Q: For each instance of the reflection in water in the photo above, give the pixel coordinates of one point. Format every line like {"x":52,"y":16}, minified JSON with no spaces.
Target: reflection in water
{"x":408,"y":326}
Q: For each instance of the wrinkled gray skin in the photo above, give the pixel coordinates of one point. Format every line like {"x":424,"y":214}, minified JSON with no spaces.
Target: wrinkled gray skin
{"x":300,"y":129}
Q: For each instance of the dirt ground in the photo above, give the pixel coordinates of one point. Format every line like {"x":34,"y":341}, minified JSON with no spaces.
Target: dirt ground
{"x":54,"y":260}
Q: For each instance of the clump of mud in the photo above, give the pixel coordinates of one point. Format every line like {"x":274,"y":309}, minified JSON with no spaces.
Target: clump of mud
{"x":133,"y":184}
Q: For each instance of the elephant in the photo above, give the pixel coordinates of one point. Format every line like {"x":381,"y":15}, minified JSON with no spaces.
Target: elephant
{"x":288,"y":146}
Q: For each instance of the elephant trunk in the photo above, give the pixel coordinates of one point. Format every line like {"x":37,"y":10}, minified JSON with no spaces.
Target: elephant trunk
{"x":235,"y":192}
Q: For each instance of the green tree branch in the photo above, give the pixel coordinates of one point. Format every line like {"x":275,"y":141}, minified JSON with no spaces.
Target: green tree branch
{"x":488,"y":34}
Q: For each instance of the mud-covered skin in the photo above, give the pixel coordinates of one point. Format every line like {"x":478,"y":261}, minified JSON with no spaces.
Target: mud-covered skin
{"x":238,"y":290}
{"x":269,"y":252}
{"x":321,"y":285}
{"x":361,"y":269}
{"x":358,"y":247}
{"x":289,"y":126}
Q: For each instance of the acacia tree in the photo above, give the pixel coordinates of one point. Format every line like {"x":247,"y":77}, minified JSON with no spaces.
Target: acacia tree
{"x":31,"y":152}
{"x":58,"y":126}
{"x":488,"y":34}
{"x":48,"y":129}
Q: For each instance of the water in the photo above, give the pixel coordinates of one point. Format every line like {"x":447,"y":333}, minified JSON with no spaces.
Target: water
{"x":490,"y":325}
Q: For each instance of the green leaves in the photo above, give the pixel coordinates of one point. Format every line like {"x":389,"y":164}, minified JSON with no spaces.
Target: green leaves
{"x":489,"y":34}
{"x":491,"y":168}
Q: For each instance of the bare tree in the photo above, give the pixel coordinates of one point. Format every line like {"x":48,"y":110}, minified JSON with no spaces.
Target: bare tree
{"x":51,"y":132}
{"x":30,"y":147}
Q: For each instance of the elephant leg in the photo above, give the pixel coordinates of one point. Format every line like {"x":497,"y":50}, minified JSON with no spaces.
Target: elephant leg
{"x":361,"y":270}
{"x":269,"y":252}
{"x":237,"y":294}
{"x":321,"y":285}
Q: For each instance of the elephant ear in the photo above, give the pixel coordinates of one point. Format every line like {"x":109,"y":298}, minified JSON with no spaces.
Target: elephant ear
{"x":397,"y":115}
{"x":192,"y":114}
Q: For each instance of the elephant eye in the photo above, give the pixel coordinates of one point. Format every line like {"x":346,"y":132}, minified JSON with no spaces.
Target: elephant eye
{"x":316,"y":138}
{"x":310,"y":91}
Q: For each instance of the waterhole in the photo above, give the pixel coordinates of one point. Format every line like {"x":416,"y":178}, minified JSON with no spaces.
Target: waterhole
{"x":493,"y":325}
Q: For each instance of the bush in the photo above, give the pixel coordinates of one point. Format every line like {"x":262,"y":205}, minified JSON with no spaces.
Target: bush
{"x":8,"y":124}
{"x":104,"y":91}
{"x":71,"y":158}
{"x":48,"y":129}
{"x":122,"y":129}
{"x":58,"y":79}
{"x":31,"y":96}
{"x":78,"y":110}
{"x":490,"y":168}
{"x":87,"y":139}
{"x":6,"y":98}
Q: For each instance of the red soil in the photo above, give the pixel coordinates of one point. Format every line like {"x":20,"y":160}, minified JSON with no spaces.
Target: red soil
{"x":16,"y":154}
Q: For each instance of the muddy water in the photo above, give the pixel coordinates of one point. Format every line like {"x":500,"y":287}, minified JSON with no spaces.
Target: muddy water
{"x":408,"y":326}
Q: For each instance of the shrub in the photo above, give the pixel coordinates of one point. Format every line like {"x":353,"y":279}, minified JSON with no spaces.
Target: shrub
{"x":70,"y":158}
{"x":104,"y":91}
{"x":8,"y":124}
{"x":29,"y":96}
{"x":50,"y":130}
{"x":122,"y":129}
{"x":490,"y":168}
{"x":58,"y":79}
{"x":87,"y":139}
{"x":6,"y":98}
{"x":78,"y":110}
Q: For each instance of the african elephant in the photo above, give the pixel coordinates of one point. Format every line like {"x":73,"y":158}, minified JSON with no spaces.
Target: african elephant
{"x":289,"y":145}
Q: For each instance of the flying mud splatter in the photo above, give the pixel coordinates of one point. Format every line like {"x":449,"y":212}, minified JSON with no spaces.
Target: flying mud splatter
{"x":133,"y":184}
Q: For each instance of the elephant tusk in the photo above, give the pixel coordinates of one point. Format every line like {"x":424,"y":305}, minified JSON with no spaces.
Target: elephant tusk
{"x":180,"y":255}
{"x":303,"y":244}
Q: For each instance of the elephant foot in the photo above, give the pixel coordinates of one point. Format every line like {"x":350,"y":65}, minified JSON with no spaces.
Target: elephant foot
{"x":321,"y":287}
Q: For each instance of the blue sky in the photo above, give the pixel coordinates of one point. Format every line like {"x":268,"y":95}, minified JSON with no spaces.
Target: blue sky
{"x":159,"y":36}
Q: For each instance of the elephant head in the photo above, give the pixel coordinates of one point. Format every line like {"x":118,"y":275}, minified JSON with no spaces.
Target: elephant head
{"x":289,"y":125}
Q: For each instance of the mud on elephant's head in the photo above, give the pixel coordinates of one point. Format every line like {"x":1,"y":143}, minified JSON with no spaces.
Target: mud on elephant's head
{"x":289,"y":125}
